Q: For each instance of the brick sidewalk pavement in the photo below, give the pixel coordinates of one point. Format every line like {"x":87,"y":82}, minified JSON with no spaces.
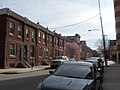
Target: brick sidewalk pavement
{"x":111,"y":79}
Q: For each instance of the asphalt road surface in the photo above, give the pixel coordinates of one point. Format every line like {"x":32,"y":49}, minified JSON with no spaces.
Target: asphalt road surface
{"x":23,"y":82}
{"x":29,"y":83}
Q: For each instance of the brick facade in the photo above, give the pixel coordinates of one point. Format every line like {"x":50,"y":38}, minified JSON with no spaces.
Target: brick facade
{"x":23,"y":41}
{"x":117,"y":19}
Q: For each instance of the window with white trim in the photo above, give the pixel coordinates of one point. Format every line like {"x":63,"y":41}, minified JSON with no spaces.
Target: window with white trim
{"x":12,"y":27}
{"x":39,"y":37}
{"x":19,"y":31}
{"x":33,"y":36}
{"x":12,"y":49}
{"x":27,"y":33}
{"x":43,"y":38}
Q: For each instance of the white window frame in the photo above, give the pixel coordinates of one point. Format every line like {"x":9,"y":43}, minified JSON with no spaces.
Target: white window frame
{"x":27,"y":33}
{"x":12,"y":48}
{"x":43,"y":38}
{"x":19,"y":31}
{"x":11,"y":28}
{"x":39,"y":37}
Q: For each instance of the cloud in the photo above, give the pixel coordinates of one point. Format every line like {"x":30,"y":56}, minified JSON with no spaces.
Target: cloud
{"x":56,"y":13}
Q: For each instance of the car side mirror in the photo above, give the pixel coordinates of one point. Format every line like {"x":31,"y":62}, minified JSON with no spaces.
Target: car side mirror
{"x":51,"y":72}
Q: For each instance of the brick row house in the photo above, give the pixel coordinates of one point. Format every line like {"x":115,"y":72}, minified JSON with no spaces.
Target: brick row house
{"x":117,"y":23}
{"x":23,"y":41}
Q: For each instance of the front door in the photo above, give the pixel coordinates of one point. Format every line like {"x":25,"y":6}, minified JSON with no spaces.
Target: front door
{"x":25,"y":52}
{"x":20,"y":52}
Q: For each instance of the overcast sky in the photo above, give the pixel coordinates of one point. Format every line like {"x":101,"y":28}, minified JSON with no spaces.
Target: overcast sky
{"x":68,"y":17}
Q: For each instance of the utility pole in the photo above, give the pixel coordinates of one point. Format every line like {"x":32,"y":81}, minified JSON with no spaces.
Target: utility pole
{"x":103,"y":36}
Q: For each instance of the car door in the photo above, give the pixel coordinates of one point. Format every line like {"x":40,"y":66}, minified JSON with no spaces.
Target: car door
{"x":95,"y":77}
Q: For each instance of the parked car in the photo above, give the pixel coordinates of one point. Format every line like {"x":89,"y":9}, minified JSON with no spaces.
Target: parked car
{"x":100,"y":62}
{"x":72,"y":75}
{"x":72,"y":59}
{"x":58,"y":60}
{"x":99,"y":67}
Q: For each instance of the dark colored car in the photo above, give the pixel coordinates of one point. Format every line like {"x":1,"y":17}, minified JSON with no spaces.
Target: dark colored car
{"x":72,"y":75}
{"x":98,"y":62}
{"x":99,"y":67}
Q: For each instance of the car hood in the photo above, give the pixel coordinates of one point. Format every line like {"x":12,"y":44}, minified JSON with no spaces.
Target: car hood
{"x":64,"y":83}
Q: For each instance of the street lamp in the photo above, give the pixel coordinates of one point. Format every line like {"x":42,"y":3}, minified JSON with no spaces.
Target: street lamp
{"x":103,"y":36}
{"x":104,"y":44}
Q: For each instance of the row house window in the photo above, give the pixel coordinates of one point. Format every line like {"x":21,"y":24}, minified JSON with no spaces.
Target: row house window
{"x":27,"y":33}
{"x":40,"y":52}
{"x":48,"y":39}
{"x":43,"y":38}
{"x":12,"y":49}
{"x":56,"y":41}
{"x":11,"y":28}
{"x":51,"y":40}
{"x":45,"y":53}
{"x":19,"y":31}
{"x":33,"y":36}
{"x":62,"y":43}
{"x":39,"y":37}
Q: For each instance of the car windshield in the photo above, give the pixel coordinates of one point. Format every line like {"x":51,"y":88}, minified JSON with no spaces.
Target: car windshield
{"x":73,"y":71}
{"x":94,"y":62}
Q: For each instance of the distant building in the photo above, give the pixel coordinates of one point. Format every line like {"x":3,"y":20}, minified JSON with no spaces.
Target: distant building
{"x":117,"y":19}
{"x":75,"y":39}
{"x":86,"y":52}
{"x":83,"y":50}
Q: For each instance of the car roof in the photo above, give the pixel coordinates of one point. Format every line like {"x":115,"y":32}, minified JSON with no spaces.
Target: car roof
{"x":81,"y":63}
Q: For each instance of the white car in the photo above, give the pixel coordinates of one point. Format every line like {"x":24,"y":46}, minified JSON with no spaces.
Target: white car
{"x":58,"y":60}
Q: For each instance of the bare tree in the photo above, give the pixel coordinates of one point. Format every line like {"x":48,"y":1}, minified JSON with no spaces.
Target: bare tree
{"x":99,"y":45}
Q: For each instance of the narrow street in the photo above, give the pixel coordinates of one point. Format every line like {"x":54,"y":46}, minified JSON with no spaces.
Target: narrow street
{"x":23,"y":75}
{"x":24,"y":81}
{"x":29,"y":83}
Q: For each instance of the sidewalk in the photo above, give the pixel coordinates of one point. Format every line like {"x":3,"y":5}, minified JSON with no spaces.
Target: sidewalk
{"x":22,"y":70}
{"x":111,"y":79}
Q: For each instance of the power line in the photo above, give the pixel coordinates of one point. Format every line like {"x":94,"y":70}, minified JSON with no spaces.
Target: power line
{"x":65,"y":17}
{"x":53,"y":8}
{"x":76,"y":23}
